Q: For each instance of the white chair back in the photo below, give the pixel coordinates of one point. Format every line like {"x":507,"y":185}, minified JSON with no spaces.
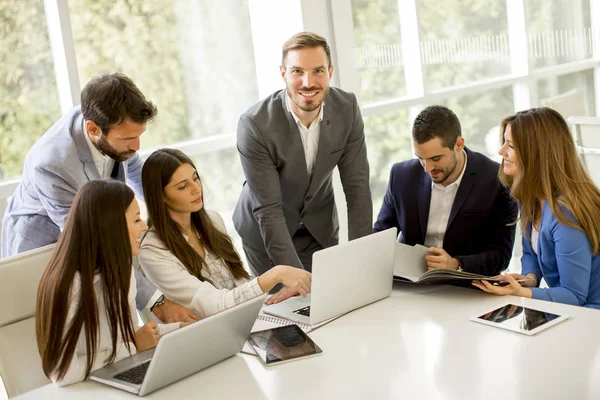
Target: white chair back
{"x":20,"y":363}
{"x":571,"y":103}
{"x":586,"y":131}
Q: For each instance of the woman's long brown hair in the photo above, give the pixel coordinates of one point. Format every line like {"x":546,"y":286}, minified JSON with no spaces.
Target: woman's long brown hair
{"x":549,"y":169}
{"x":156,"y":174}
{"x":95,"y":241}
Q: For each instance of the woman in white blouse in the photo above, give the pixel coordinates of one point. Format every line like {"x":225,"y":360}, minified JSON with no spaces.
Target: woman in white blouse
{"x":187,"y":252}
{"x":85,"y":313}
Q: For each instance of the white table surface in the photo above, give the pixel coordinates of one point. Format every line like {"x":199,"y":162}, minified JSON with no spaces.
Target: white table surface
{"x":416,"y":344}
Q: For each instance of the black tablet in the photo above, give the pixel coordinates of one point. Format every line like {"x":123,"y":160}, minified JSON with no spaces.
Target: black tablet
{"x":281,"y":344}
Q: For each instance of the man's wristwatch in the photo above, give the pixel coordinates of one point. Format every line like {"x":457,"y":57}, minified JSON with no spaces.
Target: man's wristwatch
{"x":159,"y":302}
{"x":460,"y":264}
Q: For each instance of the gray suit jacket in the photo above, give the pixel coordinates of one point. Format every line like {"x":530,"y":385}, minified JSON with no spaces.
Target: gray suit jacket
{"x":279,"y":195}
{"x":54,"y":170}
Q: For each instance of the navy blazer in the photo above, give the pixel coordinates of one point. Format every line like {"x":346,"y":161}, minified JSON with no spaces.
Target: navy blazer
{"x":480,"y":231}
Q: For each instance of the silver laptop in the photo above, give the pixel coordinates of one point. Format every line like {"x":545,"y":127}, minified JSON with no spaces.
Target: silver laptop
{"x":344,"y":277}
{"x":184,"y":351}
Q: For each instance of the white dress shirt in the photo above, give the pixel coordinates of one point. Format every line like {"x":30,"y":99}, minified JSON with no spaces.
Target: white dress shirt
{"x":442,"y":199}
{"x":310,"y":136}
{"x":170,"y":275}
{"x":103,"y":162}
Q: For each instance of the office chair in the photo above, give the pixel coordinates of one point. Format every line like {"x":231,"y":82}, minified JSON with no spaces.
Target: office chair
{"x":586,"y":131}
{"x":20,"y":363}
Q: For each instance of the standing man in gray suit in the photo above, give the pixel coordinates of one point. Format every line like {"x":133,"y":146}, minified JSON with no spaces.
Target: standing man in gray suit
{"x":97,"y":140}
{"x":289,"y":144}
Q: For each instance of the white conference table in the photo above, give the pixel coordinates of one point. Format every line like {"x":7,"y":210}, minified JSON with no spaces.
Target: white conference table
{"x":416,"y":344}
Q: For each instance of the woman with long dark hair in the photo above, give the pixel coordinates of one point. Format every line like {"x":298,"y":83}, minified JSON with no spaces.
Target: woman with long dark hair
{"x":85,"y":313}
{"x":559,"y":211}
{"x":187,"y":252}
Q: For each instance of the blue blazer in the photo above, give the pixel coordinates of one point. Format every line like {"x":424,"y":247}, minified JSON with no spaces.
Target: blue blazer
{"x":566,"y":262}
{"x":54,"y":170}
{"x":479,"y":230}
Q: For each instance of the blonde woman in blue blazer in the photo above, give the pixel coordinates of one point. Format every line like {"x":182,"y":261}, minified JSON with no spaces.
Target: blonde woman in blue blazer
{"x":560,"y":210}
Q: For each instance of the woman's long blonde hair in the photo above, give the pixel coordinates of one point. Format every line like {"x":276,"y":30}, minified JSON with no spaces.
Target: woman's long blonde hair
{"x":550,"y":169}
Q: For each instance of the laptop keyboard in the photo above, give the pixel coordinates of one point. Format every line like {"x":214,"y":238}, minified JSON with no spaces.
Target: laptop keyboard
{"x":303,"y":311}
{"x":134,"y":375}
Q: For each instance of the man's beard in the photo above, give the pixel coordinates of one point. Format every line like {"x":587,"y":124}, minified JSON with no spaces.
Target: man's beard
{"x":309,"y":105}
{"x":446,"y":172}
{"x":110,"y":151}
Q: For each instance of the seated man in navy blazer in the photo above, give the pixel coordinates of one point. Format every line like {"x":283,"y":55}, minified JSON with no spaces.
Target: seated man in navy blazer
{"x":450,"y":200}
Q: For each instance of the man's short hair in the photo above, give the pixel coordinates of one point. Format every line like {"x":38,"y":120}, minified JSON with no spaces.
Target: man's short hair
{"x":109,"y":100}
{"x":305,"y":40}
{"x":437,"y":122}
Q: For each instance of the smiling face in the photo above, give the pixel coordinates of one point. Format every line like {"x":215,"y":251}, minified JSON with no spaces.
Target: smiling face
{"x":440,"y":162}
{"x":135,"y":226}
{"x":509,"y":156}
{"x":306,"y":73}
{"x":183,"y":193}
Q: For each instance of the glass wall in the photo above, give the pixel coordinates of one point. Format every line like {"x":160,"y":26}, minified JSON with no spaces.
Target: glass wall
{"x":558,"y":31}
{"x":176,"y":51}
{"x":28,"y":93}
{"x":378,"y":50}
{"x":463,"y":41}
{"x":388,"y":141}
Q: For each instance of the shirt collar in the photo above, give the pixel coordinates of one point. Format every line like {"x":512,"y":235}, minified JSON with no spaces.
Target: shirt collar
{"x":287,"y":105}
{"x":97,"y":156}
{"x":457,"y":181}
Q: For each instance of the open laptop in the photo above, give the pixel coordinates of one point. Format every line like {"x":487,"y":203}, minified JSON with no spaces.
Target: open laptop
{"x":184,"y":351}
{"x":344,"y":277}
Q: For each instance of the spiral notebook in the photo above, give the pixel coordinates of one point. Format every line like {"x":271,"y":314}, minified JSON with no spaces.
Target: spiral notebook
{"x":265,"y":321}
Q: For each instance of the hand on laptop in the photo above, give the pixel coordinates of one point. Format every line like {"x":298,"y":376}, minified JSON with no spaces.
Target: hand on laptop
{"x":182,"y":324}
{"x":170,"y":311}
{"x":147,"y":336}
{"x":296,"y":279}
{"x":283,"y":294}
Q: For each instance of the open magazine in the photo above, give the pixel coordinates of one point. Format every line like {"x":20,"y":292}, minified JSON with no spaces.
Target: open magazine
{"x":410,"y":266}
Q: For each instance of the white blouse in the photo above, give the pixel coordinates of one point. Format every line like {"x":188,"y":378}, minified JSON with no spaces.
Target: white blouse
{"x":178,"y":285}
{"x":76,"y":371}
{"x":535,"y":238}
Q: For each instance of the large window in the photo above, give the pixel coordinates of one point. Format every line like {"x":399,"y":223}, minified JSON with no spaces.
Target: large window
{"x":388,"y":142}
{"x":463,"y":41}
{"x":378,"y":50}
{"x":558,"y":31}
{"x":28,"y":93}
{"x":193,"y":58}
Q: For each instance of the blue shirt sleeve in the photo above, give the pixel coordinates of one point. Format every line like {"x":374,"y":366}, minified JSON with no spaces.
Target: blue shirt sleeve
{"x":573,"y":256}
{"x":134,"y":175}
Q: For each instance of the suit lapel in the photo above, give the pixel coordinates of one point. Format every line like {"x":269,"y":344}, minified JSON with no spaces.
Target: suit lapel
{"x":424,"y":199}
{"x":464,"y":189}
{"x":85,"y":156}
